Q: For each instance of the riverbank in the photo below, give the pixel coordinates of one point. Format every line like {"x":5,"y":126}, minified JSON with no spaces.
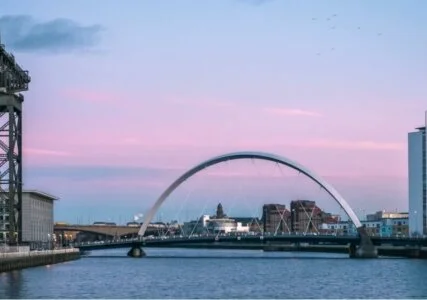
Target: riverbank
{"x":21,"y":260}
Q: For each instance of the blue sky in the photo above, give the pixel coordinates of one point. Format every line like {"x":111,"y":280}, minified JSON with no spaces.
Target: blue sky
{"x":125,"y":97}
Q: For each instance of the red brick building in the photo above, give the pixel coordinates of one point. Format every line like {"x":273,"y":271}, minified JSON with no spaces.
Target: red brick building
{"x":276,"y":218}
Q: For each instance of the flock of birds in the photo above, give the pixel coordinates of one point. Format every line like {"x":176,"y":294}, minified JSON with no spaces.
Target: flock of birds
{"x":333,"y":27}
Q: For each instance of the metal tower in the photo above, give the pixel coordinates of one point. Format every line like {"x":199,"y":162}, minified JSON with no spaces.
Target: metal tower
{"x":13,"y":79}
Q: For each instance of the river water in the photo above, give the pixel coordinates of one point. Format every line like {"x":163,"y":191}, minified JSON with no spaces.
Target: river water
{"x":173,"y":273}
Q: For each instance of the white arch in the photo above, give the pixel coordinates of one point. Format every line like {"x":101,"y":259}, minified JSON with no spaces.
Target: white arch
{"x":248,"y":155}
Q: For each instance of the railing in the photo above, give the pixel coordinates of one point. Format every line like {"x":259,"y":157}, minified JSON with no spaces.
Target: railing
{"x":232,"y":236}
{"x":192,"y":237}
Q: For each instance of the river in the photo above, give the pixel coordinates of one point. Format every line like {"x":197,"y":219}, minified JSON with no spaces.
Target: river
{"x":173,"y":273}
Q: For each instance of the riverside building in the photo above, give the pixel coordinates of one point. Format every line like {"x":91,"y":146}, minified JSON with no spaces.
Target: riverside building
{"x":37,"y":218}
{"x":417,"y":180}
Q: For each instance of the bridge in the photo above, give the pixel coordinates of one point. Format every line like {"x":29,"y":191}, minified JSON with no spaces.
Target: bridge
{"x":407,"y":247}
{"x":361,"y":246}
{"x":107,"y":231}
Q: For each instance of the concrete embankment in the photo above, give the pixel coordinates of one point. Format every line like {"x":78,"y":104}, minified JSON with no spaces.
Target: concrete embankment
{"x":21,"y":260}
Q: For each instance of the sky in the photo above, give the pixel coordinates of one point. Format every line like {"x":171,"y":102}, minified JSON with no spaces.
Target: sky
{"x":125,"y":98}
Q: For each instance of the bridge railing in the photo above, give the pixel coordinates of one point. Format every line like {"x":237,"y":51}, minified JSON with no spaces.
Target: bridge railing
{"x":228,"y":236}
{"x":194,"y":236}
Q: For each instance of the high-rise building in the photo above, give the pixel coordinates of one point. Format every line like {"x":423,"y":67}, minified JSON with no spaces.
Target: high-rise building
{"x":417,"y":176}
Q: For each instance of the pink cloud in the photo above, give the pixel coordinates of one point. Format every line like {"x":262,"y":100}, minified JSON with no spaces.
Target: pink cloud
{"x":45,"y":152}
{"x":290,"y":112}
{"x":57,"y":186}
{"x":357,"y":145}
{"x":121,"y":183}
{"x":321,"y":143}
{"x":203,"y":103}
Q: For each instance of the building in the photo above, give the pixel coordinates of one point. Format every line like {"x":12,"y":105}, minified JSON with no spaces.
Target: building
{"x":225,"y":225}
{"x":37,"y":218}
{"x":338,"y":228}
{"x":380,"y":215}
{"x":276,"y":218}
{"x":254,"y":224}
{"x":219,"y":223}
{"x":417,"y":180}
{"x":387,"y":224}
{"x":394,"y":227}
{"x":373,"y":228}
{"x":220,"y":212}
{"x":305,"y":216}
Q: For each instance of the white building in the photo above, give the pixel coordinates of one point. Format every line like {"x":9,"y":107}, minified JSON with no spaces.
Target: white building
{"x":417,"y":172}
{"x":338,"y":228}
{"x":226,"y":225}
{"x":37,"y":217}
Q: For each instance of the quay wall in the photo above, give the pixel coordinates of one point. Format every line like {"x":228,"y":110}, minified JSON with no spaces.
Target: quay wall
{"x":384,"y":251}
{"x":21,"y":260}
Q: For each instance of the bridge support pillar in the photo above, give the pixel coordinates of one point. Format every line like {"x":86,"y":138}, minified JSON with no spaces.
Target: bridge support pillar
{"x":136,"y":251}
{"x":365,"y":249}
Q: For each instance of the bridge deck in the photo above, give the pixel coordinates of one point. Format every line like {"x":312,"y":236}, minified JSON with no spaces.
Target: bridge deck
{"x":245,"y":241}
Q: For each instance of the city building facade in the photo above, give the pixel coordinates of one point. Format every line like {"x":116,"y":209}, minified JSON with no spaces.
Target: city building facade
{"x":306,"y":216}
{"x":276,"y":218}
{"x":395,"y":227}
{"x":417,"y":180}
{"x":37,"y":218}
{"x":217,"y":224}
{"x":338,"y":228}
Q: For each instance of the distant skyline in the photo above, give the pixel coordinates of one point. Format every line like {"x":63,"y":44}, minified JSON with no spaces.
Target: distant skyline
{"x":123,"y":99}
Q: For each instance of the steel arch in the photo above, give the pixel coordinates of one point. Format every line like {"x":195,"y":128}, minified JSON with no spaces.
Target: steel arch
{"x":248,"y":155}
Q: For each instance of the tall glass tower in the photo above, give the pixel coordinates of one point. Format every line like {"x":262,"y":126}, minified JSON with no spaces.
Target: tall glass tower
{"x":417,"y":175}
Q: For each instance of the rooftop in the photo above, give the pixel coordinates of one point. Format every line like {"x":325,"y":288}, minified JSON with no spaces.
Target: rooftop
{"x":41,"y":194}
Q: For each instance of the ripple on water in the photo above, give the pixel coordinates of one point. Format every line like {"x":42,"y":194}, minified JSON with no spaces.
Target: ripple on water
{"x":169,"y":273}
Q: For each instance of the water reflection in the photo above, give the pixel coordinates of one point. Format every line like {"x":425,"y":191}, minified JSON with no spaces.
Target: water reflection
{"x":11,"y":285}
{"x":168,"y":273}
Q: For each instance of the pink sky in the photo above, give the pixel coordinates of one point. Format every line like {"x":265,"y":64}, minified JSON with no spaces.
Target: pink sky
{"x":146,"y":97}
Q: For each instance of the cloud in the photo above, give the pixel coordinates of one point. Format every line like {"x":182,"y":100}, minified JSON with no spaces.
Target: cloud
{"x":290,"y":112}
{"x":23,"y":33}
{"x":132,"y":141}
{"x":203,"y":103}
{"x":96,"y":173}
{"x":320,"y":143}
{"x":92,"y":179}
{"x":356,"y":145}
{"x":45,"y":152}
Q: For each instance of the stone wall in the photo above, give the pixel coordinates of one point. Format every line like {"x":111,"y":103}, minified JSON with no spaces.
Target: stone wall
{"x":19,"y":260}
